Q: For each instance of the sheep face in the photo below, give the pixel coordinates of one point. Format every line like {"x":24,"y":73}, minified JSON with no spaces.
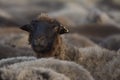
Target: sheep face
{"x":43,"y":32}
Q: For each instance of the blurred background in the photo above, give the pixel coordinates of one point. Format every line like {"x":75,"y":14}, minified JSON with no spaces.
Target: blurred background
{"x":96,"y":20}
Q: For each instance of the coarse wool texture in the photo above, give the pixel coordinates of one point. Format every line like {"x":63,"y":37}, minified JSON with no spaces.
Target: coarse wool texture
{"x":69,"y":69}
{"x":7,"y":51}
{"x":32,"y":73}
{"x":78,"y":40}
{"x":111,"y":70}
{"x":94,"y":60}
{"x":13,"y":60}
{"x":111,"y":42}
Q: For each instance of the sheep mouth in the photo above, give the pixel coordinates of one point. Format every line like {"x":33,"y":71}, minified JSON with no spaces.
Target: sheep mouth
{"x":40,"y":49}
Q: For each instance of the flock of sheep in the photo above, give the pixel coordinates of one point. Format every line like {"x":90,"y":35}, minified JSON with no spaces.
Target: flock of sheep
{"x":85,"y":60}
{"x":86,"y":52}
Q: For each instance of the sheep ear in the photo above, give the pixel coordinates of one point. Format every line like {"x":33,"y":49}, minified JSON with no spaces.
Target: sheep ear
{"x":63,"y":30}
{"x":26,"y":27}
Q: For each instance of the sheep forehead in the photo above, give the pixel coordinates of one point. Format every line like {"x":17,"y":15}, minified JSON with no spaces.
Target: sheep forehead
{"x":44,"y":25}
{"x":45,"y":19}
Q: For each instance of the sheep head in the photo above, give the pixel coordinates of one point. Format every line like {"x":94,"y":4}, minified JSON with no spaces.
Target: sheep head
{"x":42,"y":33}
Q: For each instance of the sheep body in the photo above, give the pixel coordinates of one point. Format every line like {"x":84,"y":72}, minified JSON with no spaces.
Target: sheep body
{"x":69,"y":69}
{"x":9,"y":61}
{"x":96,"y":30}
{"x":112,"y":42}
{"x":8,"y":51}
{"x":31,"y":74}
{"x":94,"y":60}
{"x":78,"y":40}
{"x":112,"y":69}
